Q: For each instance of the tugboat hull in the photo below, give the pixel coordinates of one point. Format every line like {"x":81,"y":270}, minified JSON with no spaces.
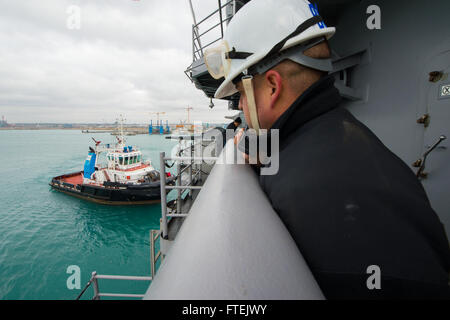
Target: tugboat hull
{"x":109,"y":193}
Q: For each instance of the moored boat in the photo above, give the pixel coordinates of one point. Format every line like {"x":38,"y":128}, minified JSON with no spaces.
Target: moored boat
{"x":126,"y":178}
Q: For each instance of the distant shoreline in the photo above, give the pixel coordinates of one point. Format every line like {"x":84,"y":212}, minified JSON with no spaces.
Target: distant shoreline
{"x":75,"y":128}
{"x":90,"y":129}
{"x":40,"y":128}
{"x":111,"y":130}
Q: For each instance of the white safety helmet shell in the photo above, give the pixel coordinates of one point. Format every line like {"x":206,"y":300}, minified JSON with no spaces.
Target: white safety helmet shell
{"x":259,"y":26}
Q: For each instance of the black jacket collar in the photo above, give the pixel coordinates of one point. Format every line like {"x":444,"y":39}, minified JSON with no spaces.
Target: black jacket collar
{"x":319,"y":98}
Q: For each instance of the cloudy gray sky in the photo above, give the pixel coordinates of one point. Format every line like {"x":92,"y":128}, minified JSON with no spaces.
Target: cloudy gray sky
{"x":128,"y":58}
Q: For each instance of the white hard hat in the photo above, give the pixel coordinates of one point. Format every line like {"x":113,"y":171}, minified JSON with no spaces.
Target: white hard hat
{"x":259,"y":31}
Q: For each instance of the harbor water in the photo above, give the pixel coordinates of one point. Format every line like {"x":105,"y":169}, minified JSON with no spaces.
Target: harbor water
{"x":43,"y":231}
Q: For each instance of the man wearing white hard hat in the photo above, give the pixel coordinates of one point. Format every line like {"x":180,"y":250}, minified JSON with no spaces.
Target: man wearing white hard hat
{"x":349,"y":203}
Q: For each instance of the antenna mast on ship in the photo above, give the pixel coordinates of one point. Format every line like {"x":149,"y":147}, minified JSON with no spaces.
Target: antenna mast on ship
{"x":121,"y":137}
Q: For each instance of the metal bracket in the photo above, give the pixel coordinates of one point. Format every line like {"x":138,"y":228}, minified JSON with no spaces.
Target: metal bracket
{"x":341,"y":69}
{"x":425,"y":120}
{"x":435,"y":76}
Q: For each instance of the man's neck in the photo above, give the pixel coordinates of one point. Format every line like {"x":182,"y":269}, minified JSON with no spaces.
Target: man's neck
{"x":318,"y":98}
{"x":287,"y":100}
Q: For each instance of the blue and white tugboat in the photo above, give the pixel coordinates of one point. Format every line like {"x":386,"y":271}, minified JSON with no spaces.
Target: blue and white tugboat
{"x":126,"y":179}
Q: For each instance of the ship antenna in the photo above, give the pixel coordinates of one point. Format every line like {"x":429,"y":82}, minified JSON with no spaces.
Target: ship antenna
{"x":121,"y":137}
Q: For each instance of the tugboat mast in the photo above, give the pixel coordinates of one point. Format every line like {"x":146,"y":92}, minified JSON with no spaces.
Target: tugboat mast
{"x":120,"y":137}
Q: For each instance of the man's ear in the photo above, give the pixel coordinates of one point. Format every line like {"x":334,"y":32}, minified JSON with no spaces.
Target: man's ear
{"x":274,"y":83}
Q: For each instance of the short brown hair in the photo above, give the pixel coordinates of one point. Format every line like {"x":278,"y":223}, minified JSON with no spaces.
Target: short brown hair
{"x":295,"y":73}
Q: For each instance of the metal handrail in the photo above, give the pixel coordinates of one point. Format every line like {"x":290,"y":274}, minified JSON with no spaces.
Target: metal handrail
{"x":121,"y":295}
{"x":94,"y":281}
{"x":155,"y":234}
{"x":183,"y":187}
{"x":213,"y":27}
{"x":154,"y":257}
{"x":215,"y":11}
{"x":195,"y":172}
{"x":196,"y":37}
{"x":185,"y":168}
{"x":206,"y":46}
{"x":134,"y":278}
{"x":201,"y":34}
{"x":190,"y":146}
{"x":191,"y":158}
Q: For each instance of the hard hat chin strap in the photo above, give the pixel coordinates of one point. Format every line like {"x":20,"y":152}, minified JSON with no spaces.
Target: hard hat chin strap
{"x":247,"y":82}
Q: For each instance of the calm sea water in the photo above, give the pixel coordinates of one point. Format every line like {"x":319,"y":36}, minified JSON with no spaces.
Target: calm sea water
{"x":43,"y":231}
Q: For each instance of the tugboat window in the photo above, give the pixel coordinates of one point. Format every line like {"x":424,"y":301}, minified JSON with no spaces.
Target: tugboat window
{"x":121,"y":160}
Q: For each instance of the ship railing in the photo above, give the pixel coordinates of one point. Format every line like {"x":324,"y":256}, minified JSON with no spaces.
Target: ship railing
{"x":93,"y":281}
{"x":197,"y":37}
{"x":114,"y":147}
{"x":188,"y":164}
{"x":186,"y":154}
{"x":194,"y":168}
{"x":97,"y":294}
{"x":154,"y":257}
{"x":194,"y":174}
